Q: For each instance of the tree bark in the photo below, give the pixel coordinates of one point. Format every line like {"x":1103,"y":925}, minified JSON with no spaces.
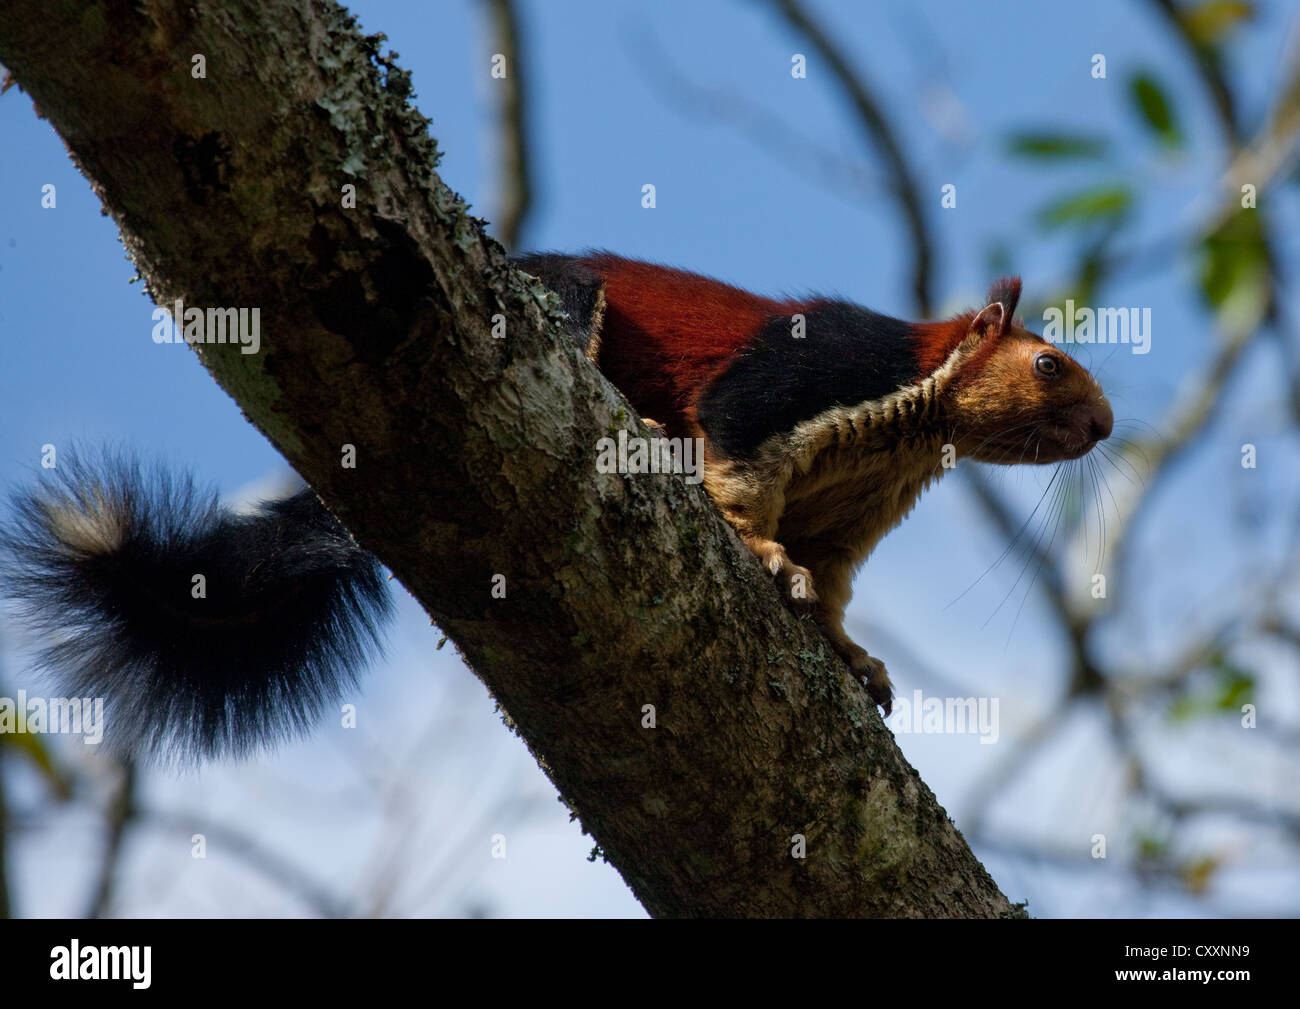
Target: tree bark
{"x":476,"y":457}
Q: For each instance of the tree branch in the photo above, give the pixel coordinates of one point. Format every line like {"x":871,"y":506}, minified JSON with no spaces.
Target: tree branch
{"x":475,"y":457}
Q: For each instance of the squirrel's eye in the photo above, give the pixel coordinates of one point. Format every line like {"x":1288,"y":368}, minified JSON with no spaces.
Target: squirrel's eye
{"x":1047,"y":365}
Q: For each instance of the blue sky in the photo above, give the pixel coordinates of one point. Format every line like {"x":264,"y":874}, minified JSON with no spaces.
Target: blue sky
{"x":741,"y":201}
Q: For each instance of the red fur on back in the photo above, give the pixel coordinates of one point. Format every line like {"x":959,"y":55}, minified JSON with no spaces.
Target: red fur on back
{"x":936,"y":340}
{"x":668,"y":332}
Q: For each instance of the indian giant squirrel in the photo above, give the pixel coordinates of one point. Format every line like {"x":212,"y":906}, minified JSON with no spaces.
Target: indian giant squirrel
{"x":822,"y":422}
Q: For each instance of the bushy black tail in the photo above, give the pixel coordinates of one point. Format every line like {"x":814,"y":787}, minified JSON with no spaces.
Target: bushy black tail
{"x":207,"y":633}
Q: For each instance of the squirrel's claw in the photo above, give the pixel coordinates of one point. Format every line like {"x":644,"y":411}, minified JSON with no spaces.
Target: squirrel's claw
{"x":875,"y":678}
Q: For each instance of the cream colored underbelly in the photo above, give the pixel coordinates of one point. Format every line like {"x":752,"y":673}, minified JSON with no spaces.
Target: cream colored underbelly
{"x":851,"y":506}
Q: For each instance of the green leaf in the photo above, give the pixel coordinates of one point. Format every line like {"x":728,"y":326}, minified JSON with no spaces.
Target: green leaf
{"x":1231,"y":687}
{"x":1055,"y":145}
{"x":1154,"y":106}
{"x":1184,"y":709}
{"x":1235,"y":685}
{"x":1208,"y":22}
{"x":33,"y":747}
{"x":1198,"y":873}
{"x":1151,"y":847}
{"x":1234,"y":261}
{"x":1100,"y":203}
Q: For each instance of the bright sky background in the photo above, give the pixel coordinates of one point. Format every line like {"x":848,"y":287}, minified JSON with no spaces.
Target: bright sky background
{"x":77,"y":365}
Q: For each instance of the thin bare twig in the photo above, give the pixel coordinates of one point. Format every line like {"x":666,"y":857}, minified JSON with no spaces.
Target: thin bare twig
{"x":852,"y":178}
{"x":286,"y":873}
{"x":516,"y":196}
{"x":1209,"y":67}
{"x":120,"y":813}
{"x":880,"y":135}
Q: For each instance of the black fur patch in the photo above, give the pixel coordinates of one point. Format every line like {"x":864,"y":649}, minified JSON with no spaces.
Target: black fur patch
{"x":291,"y":615}
{"x":849,"y":355}
{"x":578,"y":286}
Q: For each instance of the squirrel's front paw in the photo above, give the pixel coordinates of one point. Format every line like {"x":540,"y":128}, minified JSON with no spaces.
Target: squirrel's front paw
{"x":874,"y":677}
{"x":795,"y":581}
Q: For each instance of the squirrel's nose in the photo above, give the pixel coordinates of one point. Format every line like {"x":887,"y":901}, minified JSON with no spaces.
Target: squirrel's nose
{"x":1101,"y":420}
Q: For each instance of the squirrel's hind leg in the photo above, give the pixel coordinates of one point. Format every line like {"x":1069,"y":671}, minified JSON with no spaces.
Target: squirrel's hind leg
{"x":834,"y":577}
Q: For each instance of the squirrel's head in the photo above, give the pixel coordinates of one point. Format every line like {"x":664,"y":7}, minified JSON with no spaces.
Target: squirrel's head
{"x":1017,"y":398}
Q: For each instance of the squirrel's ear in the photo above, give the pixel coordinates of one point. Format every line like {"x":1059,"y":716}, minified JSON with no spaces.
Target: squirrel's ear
{"x":989,"y":323}
{"x":991,"y":320}
{"x":994,"y":319}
